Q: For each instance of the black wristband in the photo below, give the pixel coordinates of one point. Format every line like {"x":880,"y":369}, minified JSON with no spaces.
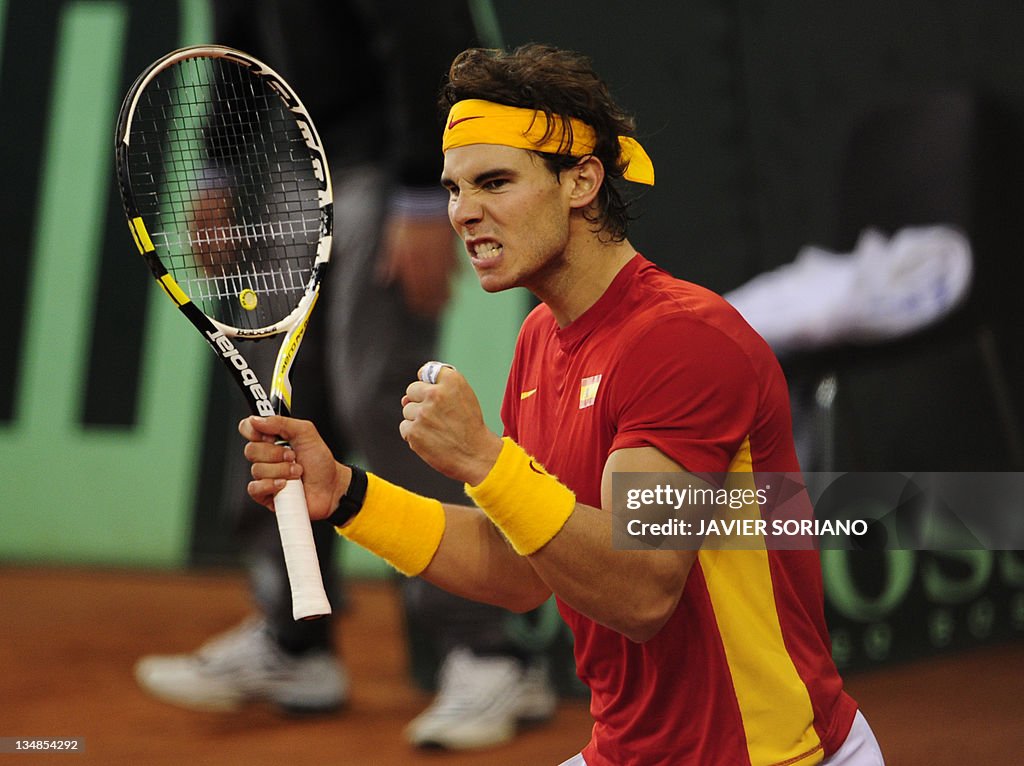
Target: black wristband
{"x":352,"y":501}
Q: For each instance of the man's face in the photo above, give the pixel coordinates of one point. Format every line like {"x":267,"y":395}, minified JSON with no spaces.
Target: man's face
{"x":511,"y":212}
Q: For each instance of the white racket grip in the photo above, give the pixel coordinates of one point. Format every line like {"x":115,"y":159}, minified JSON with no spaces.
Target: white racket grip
{"x":308,"y":596}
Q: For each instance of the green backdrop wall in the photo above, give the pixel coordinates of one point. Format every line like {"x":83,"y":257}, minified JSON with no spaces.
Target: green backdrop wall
{"x":103,"y":394}
{"x":745,"y":108}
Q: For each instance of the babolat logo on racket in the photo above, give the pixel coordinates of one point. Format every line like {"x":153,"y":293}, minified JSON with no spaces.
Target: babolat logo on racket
{"x":227,"y":350}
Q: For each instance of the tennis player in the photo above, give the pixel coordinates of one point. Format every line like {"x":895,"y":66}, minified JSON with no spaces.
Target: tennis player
{"x":692,"y":657}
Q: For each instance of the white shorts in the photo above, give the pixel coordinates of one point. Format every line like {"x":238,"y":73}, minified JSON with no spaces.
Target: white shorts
{"x":859,"y":749}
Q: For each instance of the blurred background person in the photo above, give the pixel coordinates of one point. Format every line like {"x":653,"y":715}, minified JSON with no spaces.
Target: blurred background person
{"x":368,"y":72}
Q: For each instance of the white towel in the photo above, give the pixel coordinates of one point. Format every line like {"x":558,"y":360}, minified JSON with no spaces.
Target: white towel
{"x":885,"y":289}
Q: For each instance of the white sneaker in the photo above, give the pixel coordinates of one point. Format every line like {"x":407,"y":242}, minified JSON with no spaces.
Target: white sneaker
{"x":245,"y":665}
{"x":481,"y":701}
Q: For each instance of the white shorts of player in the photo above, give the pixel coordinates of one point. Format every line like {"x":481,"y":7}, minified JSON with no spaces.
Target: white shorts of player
{"x":859,"y":749}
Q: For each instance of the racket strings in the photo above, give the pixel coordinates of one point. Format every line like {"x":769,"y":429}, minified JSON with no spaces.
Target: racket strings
{"x":224,"y":180}
{"x":230,"y":286}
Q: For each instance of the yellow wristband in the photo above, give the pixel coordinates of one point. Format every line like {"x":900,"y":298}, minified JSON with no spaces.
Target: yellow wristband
{"x":528,"y":505}
{"x":401,"y":527}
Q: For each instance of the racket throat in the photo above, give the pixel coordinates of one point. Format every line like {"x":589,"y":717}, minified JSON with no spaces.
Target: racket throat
{"x":244,"y":375}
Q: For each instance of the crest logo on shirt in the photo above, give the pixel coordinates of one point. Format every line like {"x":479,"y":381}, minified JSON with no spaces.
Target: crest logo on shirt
{"x":588,"y":390}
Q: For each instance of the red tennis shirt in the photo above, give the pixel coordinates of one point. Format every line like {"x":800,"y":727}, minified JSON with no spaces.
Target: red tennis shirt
{"x":742,"y":671}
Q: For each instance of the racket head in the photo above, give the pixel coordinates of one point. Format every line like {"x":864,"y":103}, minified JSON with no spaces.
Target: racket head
{"x":225,"y":184}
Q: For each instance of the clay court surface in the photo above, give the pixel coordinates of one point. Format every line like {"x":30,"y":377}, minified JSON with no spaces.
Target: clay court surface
{"x":71,"y":636}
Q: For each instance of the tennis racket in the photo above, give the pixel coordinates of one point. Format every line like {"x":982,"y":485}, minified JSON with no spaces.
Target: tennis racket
{"x":225,"y":185}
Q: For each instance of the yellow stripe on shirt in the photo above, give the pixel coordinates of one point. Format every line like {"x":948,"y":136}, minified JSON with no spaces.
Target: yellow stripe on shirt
{"x":773,"y":700}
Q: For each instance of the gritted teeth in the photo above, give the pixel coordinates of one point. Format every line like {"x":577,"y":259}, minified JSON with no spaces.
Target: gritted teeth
{"x":485,"y":250}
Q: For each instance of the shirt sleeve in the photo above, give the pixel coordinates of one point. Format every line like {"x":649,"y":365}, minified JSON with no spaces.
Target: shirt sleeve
{"x":689,"y":390}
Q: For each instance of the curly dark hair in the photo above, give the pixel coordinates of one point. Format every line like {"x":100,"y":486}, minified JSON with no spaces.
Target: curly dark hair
{"x":558,"y":83}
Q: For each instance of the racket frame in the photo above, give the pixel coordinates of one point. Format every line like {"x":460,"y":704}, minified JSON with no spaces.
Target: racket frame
{"x":309,"y":599}
{"x":218,"y":334}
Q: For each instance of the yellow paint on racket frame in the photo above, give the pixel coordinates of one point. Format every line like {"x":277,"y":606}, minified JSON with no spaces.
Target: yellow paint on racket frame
{"x":248,"y":299}
{"x":281,"y":384}
{"x":142,"y":240}
{"x":173,"y":290}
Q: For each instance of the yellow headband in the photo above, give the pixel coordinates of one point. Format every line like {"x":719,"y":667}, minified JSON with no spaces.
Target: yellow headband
{"x":475,"y":121}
